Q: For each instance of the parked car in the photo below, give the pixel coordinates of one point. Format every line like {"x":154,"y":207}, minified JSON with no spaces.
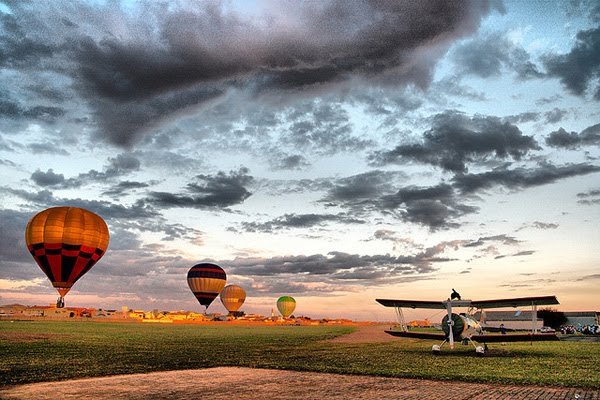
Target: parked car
{"x":546,"y":329}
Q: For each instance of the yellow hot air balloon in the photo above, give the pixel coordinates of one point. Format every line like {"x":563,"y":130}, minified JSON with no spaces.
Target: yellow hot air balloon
{"x":286,"y":305}
{"x":232,"y":297}
{"x":66,"y":242}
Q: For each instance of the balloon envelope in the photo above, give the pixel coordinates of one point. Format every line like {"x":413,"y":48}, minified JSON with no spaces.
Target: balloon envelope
{"x":286,"y":305}
{"x":232,"y":297}
{"x":66,"y":242}
{"x":206,"y":281}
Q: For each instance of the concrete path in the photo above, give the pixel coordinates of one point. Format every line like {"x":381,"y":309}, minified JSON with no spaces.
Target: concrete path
{"x":228,"y":383}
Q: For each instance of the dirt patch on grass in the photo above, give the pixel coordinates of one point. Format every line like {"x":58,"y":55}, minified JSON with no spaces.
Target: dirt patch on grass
{"x":365,"y":334}
{"x":227,"y":383}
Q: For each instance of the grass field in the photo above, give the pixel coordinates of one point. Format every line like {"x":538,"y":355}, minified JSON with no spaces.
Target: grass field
{"x":46,"y":351}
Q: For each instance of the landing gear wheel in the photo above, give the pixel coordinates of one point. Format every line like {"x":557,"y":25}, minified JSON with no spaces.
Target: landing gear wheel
{"x":479,"y":350}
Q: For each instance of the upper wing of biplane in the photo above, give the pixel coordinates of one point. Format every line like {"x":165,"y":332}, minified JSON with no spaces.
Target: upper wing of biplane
{"x":515,"y":302}
{"x":412,"y":303}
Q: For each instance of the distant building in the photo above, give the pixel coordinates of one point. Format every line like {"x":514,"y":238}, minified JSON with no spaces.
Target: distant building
{"x":420,"y":323}
{"x":10,"y":310}
{"x":136,"y":314}
{"x":194,"y":316}
{"x":177,"y":315}
{"x":517,"y":320}
{"x":582,"y":318}
{"x":106,"y":313}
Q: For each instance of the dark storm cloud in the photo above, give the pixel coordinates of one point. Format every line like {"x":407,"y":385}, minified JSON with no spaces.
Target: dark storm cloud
{"x":579,"y":69}
{"x":586,"y":8}
{"x":48,"y":178}
{"x":305,"y":289}
{"x":455,"y":140}
{"x":120,"y":165}
{"x":164,"y":59}
{"x":47,"y":148}
{"x":320,"y":126}
{"x":12,"y":231}
{"x":439,"y":206}
{"x":519,"y":254}
{"x":548,"y":100}
{"x":159,"y":224}
{"x":124,"y":187}
{"x":379,"y":101}
{"x":208,"y":191}
{"x":339,"y":266}
{"x":544,"y":225}
{"x":451,"y":86}
{"x":555,"y":115}
{"x":169,"y":160}
{"x":489,"y":56}
{"x":292,"y":162}
{"x":519,"y":178}
{"x":522,"y":118}
{"x":360,"y":189}
{"x":503,"y":239}
{"x":11,"y":109}
{"x":589,"y":198}
{"x":436,"y":207}
{"x":137,"y":216}
{"x":107,"y":210}
{"x":587,"y":137}
{"x":538,"y":225}
{"x":288,"y":221}
{"x":385,"y":234}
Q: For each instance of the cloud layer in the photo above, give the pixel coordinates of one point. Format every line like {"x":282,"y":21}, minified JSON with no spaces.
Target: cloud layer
{"x":136,"y":67}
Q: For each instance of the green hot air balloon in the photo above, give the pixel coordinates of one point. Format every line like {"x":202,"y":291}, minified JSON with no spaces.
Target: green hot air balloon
{"x":286,"y":305}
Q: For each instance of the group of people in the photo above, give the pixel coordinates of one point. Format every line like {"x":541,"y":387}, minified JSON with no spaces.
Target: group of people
{"x":584,"y":329}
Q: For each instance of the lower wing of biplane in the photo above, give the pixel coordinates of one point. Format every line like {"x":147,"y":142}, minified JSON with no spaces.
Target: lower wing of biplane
{"x":463,"y":327}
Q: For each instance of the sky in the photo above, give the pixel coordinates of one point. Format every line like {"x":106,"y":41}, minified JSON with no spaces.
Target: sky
{"x":333,"y":151}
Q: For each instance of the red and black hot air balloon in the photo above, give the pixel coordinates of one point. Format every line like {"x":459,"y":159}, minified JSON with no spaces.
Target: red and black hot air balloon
{"x":206,"y":282}
{"x":66,"y":242}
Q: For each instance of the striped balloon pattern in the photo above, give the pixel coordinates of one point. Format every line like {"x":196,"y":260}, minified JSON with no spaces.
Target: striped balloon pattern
{"x":232,"y":297}
{"x":206,"y":282}
{"x":66,"y":242}
{"x":286,"y":305}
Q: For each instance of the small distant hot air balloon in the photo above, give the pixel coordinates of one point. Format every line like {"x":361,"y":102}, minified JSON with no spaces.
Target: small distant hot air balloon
{"x":232,"y":297}
{"x":66,"y":242}
{"x":286,"y":305}
{"x":206,"y":281}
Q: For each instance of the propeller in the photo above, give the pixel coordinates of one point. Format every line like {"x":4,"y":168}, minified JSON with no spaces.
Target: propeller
{"x":450,"y":324}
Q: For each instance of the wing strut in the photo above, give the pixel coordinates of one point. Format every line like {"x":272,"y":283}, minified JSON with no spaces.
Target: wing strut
{"x":450,"y":324}
{"x":400,"y":317}
{"x":533,"y":318}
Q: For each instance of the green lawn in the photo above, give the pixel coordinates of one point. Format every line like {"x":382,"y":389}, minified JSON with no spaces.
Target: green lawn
{"x":45,"y":351}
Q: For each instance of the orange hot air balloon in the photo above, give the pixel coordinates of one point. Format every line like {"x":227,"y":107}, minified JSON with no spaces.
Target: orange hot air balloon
{"x":66,"y":242}
{"x":232,"y":297}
